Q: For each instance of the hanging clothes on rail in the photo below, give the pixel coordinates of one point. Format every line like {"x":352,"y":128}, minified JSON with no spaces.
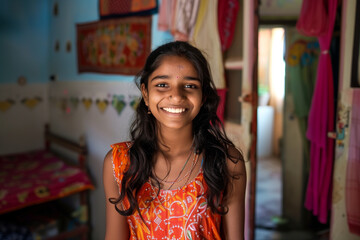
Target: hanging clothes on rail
{"x":178,"y":17}
{"x":321,"y":118}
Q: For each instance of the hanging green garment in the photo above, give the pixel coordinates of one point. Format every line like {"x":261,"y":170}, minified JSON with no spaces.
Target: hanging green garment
{"x":302,"y":54}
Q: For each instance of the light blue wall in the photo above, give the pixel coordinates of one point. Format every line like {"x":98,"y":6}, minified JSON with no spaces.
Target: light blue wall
{"x":63,"y":29}
{"x":29,"y":30}
{"x":24,"y":33}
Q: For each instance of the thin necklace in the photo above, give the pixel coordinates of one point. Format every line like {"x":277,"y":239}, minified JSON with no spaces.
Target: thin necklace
{"x":157,"y":193}
{"x":177,"y":178}
{"x":182,"y":178}
{"x":192,"y":169}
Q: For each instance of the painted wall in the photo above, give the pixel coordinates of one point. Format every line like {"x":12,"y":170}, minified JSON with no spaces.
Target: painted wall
{"x":339,"y":225}
{"x":24,"y":34}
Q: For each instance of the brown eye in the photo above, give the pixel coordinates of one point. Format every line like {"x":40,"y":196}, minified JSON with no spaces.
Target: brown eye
{"x":190,"y":86}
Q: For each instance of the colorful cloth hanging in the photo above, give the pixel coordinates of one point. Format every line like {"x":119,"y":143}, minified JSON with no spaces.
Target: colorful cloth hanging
{"x":123,"y":8}
{"x":321,"y":115}
{"x":353,"y":167}
{"x":178,"y":17}
{"x":115,"y":46}
{"x":206,"y":38}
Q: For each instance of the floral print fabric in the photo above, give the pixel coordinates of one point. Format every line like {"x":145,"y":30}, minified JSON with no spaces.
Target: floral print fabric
{"x":36,"y":177}
{"x":181,"y":213}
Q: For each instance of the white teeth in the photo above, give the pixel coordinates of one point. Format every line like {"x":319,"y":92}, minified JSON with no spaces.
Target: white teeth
{"x":174,"y":110}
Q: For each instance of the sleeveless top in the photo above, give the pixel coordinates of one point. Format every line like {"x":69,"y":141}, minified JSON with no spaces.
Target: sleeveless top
{"x":181,"y":213}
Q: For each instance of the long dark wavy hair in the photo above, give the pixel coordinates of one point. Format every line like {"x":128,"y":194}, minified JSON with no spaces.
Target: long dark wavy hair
{"x":209,"y":135}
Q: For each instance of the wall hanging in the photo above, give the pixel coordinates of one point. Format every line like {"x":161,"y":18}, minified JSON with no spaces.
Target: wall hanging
{"x":116,"y":46}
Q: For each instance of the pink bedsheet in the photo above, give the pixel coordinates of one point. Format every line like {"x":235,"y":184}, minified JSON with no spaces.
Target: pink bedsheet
{"x":35,"y":177}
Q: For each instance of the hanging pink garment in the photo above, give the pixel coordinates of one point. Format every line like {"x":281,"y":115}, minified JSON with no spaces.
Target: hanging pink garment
{"x":321,"y":115}
{"x":164,"y":18}
{"x":353,"y":167}
{"x":167,"y":11}
{"x":178,"y":17}
{"x":313,"y":18}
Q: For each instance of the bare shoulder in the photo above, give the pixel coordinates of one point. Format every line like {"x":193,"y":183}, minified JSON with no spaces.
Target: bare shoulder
{"x":108,"y":177}
{"x":108,"y":158}
{"x":235,"y":162}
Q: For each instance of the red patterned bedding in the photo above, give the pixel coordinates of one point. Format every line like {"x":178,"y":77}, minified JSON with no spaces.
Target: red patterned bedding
{"x":31,"y":178}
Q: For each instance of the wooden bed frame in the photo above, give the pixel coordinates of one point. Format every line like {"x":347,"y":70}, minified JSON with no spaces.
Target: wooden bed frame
{"x":82,"y":229}
{"x":81,"y":150}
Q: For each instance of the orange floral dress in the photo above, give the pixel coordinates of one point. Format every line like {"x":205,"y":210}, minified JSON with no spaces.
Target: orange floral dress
{"x":181,"y":213}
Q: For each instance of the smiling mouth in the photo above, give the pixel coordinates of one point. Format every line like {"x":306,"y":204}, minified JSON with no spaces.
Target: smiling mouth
{"x":174,"y":110}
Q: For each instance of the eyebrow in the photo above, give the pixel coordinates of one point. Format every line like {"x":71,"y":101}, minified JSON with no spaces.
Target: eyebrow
{"x":167,"y":77}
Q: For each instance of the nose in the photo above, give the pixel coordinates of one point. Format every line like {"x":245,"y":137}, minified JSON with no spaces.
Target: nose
{"x":176,"y":94}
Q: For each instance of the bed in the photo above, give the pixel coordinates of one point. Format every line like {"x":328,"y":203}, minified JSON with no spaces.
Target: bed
{"x":45,"y":195}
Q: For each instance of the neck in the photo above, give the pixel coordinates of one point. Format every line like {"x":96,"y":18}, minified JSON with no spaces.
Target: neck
{"x":175,"y":142}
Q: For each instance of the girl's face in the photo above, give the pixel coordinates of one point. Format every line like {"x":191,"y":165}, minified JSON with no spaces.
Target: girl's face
{"x":174,"y":94}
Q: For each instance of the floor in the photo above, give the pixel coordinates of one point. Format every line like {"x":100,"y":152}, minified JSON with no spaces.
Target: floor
{"x":268,"y":218}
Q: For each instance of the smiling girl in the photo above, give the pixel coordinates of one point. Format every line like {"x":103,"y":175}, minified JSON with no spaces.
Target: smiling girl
{"x":179,"y":177}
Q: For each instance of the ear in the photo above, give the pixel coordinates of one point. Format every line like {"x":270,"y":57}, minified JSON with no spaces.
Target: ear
{"x":144,"y":94}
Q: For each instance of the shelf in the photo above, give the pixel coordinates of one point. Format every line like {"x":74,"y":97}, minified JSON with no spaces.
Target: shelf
{"x":234,"y":63}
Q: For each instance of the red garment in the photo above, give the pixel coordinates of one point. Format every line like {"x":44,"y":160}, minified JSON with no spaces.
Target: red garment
{"x":353,"y":168}
{"x":221,"y":108}
{"x":181,"y":213}
{"x":227,"y":14}
{"x":321,"y":115}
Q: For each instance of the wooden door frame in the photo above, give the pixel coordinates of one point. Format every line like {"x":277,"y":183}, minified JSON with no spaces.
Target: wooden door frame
{"x":254,"y":103}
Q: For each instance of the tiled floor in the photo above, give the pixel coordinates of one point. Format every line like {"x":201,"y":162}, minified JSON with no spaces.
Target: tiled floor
{"x":268,"y":205}
{"x":265,"y":234}
{"x":268,"y":192}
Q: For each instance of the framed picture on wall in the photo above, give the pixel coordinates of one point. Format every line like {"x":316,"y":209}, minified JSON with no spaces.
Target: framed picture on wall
{"x":355,"y":69}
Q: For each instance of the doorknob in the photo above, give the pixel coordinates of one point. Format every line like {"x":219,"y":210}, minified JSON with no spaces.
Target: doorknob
{"x":246,"y":98}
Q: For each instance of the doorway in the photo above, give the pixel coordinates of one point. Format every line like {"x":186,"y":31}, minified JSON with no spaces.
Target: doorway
{"x":271,"y":86}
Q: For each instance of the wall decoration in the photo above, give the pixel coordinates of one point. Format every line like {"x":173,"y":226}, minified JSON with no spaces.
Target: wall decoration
{"x":56,"y":9}
{"x":6,"y":104}
{"x":118,"y":103}
{"x":31,"y":102}
{"x":87,"y":103}
{"x":57,"y":46}
{"x":21,"y":80}
{"x":64,"y":105}
{"x":111,"y":8}
{"x":68,"y":46}
{"x":134,"y":101}
{"x":116,"y":46}
{"x":342,"y":124}
{"x":102,"y":104}
{"x":74,"y":102}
